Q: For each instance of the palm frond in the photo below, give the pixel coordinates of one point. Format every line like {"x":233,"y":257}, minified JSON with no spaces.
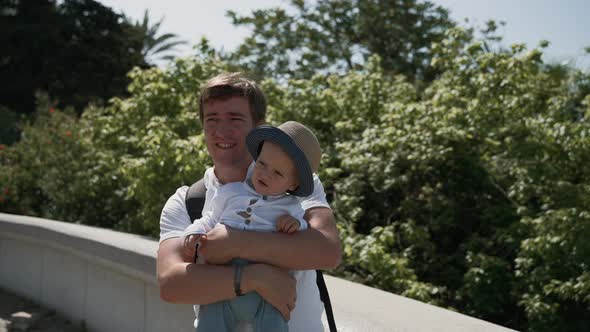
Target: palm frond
{"x":154,"y":44}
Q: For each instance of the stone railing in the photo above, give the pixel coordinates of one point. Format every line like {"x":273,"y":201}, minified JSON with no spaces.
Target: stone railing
{"x":107,"y":280}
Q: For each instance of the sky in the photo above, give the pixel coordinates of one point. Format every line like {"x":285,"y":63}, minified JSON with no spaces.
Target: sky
{"x":565,"y":24}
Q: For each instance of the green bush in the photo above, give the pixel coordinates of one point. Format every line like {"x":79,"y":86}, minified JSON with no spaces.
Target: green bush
{"x":46,"y":155}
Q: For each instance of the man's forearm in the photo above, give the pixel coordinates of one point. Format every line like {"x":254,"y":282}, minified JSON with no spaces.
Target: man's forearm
{"x":315,"y":248}
{"x":182,"y":282}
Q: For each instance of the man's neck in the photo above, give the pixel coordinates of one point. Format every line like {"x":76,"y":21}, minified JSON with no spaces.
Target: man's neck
{"x":234,"y":173}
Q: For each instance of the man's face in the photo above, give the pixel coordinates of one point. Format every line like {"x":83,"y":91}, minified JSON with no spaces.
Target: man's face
{"x":226,"y":123}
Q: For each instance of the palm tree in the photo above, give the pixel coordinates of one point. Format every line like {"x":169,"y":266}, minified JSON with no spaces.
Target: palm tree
{"x":156,"y":47}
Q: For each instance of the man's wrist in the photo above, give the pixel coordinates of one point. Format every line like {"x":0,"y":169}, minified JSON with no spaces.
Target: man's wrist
{"x":248,"y":283}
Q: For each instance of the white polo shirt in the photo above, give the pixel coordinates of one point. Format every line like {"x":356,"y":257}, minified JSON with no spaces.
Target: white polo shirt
{"x":308,"y":312}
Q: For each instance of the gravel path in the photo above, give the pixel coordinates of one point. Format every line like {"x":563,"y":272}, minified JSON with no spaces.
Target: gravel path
{"x":47,"y":320}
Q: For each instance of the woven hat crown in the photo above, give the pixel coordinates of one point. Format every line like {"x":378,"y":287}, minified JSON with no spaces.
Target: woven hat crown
{"x":306,"y":140}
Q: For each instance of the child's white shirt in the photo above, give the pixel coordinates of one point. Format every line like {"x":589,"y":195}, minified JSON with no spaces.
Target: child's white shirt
{"x":239,"y":206}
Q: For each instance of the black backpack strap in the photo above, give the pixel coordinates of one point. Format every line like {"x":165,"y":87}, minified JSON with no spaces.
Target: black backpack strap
{"x":325,"y":297}
{"x":195,"y":201}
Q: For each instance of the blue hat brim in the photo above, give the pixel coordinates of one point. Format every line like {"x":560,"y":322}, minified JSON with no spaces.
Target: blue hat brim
{"x":263,"y":133}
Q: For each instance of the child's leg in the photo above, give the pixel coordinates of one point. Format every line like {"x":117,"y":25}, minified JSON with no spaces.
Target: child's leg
{"x":216,"y":317}
{"x":245,"y":307}
{"x":268,"y":318}
{"x":252,"y":308}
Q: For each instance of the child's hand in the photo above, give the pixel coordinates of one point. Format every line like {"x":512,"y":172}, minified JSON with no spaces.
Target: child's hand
{"x":287,"y":224}
{"x":189,"y":247}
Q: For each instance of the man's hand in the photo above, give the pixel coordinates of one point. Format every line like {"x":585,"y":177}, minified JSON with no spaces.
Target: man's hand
{"x":274,"y":284}
{"x":189,"y":246}
{"x":217,"y":249}
{"x":287,"y":224}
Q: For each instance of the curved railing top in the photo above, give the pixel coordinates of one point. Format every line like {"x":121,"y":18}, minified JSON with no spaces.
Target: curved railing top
{"x":134,"y":253}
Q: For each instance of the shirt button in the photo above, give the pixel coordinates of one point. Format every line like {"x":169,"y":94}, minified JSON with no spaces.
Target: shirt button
{"x":248,"y":210}
{"x":247,"y":221}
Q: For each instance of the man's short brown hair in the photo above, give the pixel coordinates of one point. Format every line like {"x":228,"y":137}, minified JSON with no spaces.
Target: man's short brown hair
{"x":228,"y":85}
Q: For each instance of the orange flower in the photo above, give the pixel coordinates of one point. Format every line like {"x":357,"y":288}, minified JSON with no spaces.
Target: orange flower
{"x":51,"y":110}
{"x":68,"y":133}
{"x":2,"y":146}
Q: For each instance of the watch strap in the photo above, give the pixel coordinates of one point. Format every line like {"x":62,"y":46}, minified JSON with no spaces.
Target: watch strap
{"x":238,"y":279}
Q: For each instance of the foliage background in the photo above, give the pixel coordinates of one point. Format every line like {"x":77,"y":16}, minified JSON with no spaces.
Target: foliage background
{"x":468,"y":189}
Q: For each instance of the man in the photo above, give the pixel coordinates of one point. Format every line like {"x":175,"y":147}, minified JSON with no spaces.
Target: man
{"x":231,"y":106}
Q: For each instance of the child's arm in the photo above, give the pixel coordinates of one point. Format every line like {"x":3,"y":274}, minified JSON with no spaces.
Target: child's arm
{"x":196,"y":232}
{"x":211,"y":217}
{"x":201,"y":226}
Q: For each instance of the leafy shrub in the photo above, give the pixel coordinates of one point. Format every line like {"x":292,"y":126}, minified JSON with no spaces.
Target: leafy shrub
{"x":40,"y":172}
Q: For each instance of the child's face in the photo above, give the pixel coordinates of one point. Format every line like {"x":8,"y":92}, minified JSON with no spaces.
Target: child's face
{"x":274,"y":172}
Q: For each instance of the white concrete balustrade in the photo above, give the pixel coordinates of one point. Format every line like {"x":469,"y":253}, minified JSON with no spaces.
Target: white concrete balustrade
{"x":108,"y":280}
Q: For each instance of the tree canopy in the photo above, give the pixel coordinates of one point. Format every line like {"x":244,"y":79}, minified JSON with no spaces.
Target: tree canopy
{"x":337,"y":36}
{"x":156,"y":46}
{"x":78,"y":51}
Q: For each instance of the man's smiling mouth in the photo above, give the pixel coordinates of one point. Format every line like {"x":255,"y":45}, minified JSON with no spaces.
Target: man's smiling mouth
{"x":224,"y":146}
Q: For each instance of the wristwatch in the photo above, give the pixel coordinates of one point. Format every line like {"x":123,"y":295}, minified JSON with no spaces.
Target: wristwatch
{"x":238,"y":279}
